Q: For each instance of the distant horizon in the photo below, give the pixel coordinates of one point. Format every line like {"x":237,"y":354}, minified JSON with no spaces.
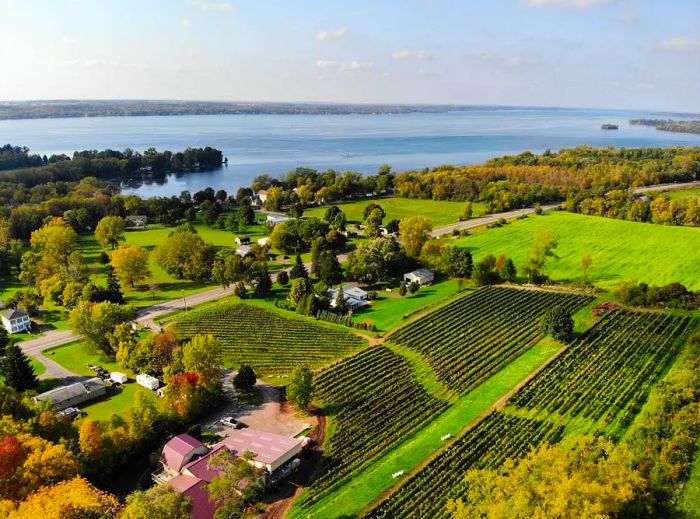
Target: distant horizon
{"x":660,"y":111}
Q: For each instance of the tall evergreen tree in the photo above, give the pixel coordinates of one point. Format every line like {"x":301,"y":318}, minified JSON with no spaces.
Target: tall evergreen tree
{"x":263,"y":285}
{"x":17,"y":370}
{"x":114,"y":290}
{"x":298,"y":270}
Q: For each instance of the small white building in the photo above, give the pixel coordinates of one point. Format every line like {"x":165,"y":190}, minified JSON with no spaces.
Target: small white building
{"x":147,"y":381}
{"x":136,"y":220}
{"x":262,"y":196}
{"x":421,"y":276}
{"x":15,"y":320}
{"x":353,"y":295}
{"x":244,"y":250}
{"x":119,"y":378}
{"x":274,"y":219}
{"x":243,"y":240}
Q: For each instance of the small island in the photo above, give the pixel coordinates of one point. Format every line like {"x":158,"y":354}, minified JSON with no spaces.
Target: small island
{"x":609,"y":126}
{"x":669,"y":125}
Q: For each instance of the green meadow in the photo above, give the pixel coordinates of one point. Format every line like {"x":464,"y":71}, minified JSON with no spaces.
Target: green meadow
{"x":440,"y":212}
{"x":621,"y":250}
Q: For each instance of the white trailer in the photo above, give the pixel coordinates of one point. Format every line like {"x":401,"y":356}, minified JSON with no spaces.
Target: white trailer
{"x":119,"y":378}
{"x":148,"y":381}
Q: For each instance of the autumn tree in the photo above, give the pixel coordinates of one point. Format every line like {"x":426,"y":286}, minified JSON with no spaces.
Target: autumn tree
{"x":71,"y":499}
{"x":586,"y":262}
{"x":16,"y":368}
{"x":508,"y":271}
{"x":373,"y":222}
{"x":593,"y":479}
{"x":202,"y":355}
{"x":467,"y":212}
{"x":300,"y":389}
{"x":238,"y":483}
{"x":110,"y":231}
{"x":414,"y":232}
{"x":158,"y":502}
{"x":131,"y":264}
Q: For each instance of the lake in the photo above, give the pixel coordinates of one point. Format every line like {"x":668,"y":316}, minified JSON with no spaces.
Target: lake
{"x":274,"y":144}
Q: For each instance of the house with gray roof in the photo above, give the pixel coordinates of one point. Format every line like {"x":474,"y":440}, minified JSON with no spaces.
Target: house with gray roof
{"x":74,"y":394}
{"x":15,"y":320}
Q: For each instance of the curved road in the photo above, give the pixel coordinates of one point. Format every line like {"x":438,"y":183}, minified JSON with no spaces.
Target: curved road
{"x":146,"y":316}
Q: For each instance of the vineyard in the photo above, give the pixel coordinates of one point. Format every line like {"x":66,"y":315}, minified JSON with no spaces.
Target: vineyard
{"x":473,"y":337}
{"x":266,"y":341}
{"x":610,"y":369}
{"x":376,"y":403}
{"x":497,"y":437}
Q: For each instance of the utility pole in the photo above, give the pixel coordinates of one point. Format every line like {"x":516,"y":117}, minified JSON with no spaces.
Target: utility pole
{"x":184,"y":299}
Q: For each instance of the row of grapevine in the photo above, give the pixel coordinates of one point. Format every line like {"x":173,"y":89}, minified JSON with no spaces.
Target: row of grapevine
{"x":266,"y":341}
{"x":473,"y":337}
{"x":609,"y":369}
{"x":376,"y":403}
{"x":497,"y":437}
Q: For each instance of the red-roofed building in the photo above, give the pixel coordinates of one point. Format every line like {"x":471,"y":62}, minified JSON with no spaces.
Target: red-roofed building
{"x":187,"y":463}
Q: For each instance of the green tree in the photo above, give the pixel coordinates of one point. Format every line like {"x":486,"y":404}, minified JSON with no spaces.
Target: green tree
{"x":467,"y":212}
{"x":374,"y":260}
{"x":263,"y":283}
{"x":110,"y":231}
{"x":245,"y":379}
{"x":329,"y":270}
{"x":415,"y":232}
{"x":17,"y":370}
{"x":301,"y":288}
{"x":543,"y":248}
{"x":97,"y":321}
{"x":186,"y":256}
{"x":300,"y":389}
{"x":283,"y":278}
{"x":340,"y":305}
{"x":372,"y":207}
{"x":240,"y":290}
{"x":373,"y":222}
{"x":558,"y":323}
{"x":298,"y":270}
{"x":458,"y":262}
{"x":402,"y":289}
{"x":238,"y":483}
{"x":509,"y":272}
{"x":586,"y":262}
{"x":158,"y":502}
{"x":485,"y":271}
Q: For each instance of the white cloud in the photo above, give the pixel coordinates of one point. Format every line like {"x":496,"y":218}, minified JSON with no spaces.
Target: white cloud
{"x":574,"y":4}
{"x":331,"y":35}
{"x":186,"y":23}
{"x":678,"y":44}
{"x":515,"y":61}
{"x":412,"y":54}
{"x":356,"y":65}
{"x":323,"y":63}
{"x":215,"y":6}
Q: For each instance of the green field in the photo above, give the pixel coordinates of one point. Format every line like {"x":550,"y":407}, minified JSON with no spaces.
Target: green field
{"x":76,"y":357}
{"x":689,"y":502}
{"x":354,"y":495}
{"x":683,"y":193}
{"x":621,"y":250}
{"x":440,"y":212}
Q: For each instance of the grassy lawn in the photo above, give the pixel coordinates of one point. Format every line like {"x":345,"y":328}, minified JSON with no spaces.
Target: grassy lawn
{"x":390,"y":309}
{"x":683,"y":193}
{"x":76,"y":356}
{"x":37,"y":366}
{"x":621,"y":250}
{"x":441,"y":212}
{"x":350,"y":498}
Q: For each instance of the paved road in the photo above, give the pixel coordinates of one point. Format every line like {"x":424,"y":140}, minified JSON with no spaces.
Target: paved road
{"x":147,"y":315}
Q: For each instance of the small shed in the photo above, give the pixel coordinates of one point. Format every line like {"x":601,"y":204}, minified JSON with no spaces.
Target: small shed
{"x":421,"y":276}
{"x":147,"y":381}
{"x":243,"y":240}
{"x":119,"y":378}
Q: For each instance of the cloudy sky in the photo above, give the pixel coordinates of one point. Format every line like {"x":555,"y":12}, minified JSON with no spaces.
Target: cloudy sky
{"x":586,"y":53}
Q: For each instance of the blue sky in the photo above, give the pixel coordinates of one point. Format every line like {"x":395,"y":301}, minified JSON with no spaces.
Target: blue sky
{"x":589,"y":53}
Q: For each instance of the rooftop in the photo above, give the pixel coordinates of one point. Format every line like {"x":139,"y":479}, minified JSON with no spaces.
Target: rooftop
{"x":14,"y":313}
{"x":267,"y":447}
{"x":177,"y":449}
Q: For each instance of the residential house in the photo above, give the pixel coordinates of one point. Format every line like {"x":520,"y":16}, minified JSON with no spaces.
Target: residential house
{"x":353,"y":295}
{"x":421,"y":276}
{"x":15,"y":320}
{"x":136,"y":220}
{"x":243,"y":240}
{"x":262,"y":196}
{"x":73,"y":394}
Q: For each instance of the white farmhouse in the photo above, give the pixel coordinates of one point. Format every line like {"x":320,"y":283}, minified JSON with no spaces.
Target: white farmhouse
{"x":421,"y":276}
{"x":353,"y":295}
{"x":15,"y":320}
{"x":147,"y":381}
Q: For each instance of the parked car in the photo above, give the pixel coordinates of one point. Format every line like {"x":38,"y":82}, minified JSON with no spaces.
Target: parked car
{"x":230,"y":421}
{"x":69,"y":413}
